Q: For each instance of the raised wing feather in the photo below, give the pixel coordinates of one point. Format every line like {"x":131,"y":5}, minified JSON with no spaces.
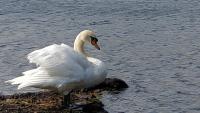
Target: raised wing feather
{"x":55,"y":54}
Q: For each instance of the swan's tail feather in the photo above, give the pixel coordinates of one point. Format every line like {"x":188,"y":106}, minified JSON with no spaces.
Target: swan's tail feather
{"x":31,"y":78}
{"x":17,"y":80}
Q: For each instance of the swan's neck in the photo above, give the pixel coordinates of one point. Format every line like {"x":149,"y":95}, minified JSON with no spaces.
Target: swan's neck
{"x":79,"y":46}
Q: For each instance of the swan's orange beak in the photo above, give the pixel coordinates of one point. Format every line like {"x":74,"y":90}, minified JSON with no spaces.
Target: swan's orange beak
{"x":94,"y":43}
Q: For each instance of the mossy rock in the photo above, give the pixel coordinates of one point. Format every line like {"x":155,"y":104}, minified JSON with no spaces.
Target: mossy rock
{"x":86,"y":101}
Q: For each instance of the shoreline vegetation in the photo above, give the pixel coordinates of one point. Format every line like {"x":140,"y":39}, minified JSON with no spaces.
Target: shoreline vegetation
{"x":82,"y":101}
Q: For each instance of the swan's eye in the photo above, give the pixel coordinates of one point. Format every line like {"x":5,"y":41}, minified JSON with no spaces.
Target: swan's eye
{"x":93,"y":39}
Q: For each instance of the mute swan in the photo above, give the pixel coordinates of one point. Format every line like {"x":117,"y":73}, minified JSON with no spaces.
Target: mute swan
{"x":62,"y":68}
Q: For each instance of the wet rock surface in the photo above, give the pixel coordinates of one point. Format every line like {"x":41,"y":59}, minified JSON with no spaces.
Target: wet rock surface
{"x":82,"y":101}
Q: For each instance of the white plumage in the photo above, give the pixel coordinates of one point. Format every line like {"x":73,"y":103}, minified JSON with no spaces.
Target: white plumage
{"x":62,"y":68}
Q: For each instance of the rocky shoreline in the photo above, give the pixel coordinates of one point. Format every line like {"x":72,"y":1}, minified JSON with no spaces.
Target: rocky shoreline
{"x":82,"y":101}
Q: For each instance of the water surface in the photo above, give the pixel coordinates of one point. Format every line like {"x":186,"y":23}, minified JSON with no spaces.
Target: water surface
{"x":154,"y":45}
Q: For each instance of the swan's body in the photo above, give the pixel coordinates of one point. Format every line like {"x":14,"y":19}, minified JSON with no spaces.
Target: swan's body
{"x":62,"y":68}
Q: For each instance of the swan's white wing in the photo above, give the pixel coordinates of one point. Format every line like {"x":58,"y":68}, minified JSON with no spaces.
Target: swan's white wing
{"x":59,"y":67}
{"x":55,"y":54}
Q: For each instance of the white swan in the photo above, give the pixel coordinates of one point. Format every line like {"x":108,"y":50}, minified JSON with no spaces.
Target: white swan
{"x":62,"y":68}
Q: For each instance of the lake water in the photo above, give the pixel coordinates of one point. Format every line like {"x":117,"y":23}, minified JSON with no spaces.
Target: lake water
{"x":154,"y":45}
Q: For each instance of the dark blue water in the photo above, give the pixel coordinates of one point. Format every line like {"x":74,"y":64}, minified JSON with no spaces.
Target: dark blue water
{"x":154,"y":45}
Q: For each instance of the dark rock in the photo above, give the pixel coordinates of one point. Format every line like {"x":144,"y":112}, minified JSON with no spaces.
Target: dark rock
{"x":111,"y":84}
{"x":95,"y":107}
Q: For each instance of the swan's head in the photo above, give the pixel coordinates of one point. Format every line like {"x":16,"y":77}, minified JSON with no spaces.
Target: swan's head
{"x":88,"y":36}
